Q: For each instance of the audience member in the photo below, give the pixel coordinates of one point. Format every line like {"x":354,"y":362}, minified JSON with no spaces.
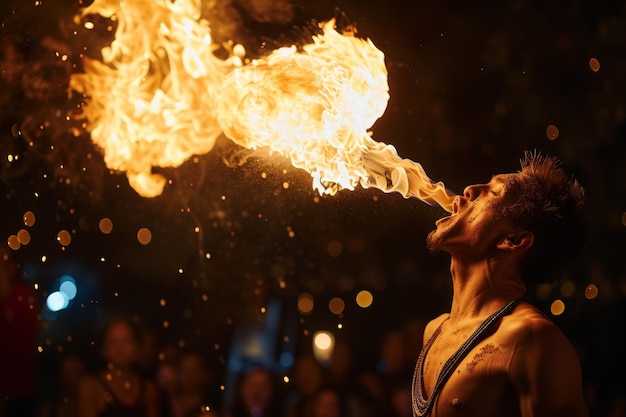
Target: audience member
{"x":192,"y":395}
{"x":329,"y":402}
{"x":342,"y":375}
{"x":257,"y":395}
{"x":119,"y":390}
{"x":307,"y":377}
{"x":167,"y":382}
{"x":392,"y":369}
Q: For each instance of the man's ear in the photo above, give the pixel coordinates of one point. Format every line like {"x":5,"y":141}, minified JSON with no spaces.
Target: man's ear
{"x":520,"y":241}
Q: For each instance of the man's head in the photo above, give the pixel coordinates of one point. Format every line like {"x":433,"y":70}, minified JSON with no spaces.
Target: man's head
{"x":534,"y":215}
{"x":551,"y":205}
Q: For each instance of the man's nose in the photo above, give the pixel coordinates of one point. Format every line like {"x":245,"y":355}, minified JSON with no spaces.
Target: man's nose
{"x":470,"y":192}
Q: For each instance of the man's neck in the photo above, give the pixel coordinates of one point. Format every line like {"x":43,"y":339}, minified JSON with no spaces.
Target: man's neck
{"x":482,"y":286}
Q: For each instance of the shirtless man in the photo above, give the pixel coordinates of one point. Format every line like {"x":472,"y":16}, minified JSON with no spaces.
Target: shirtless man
{"x":495,"y":354}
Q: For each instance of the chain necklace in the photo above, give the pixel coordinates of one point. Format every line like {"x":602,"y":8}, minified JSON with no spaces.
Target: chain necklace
{"x":422,"y":406}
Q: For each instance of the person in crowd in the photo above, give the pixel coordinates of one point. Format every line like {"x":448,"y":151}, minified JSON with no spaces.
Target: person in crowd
{"x":191,"y":398}
{"x":118,"y":390}
{"x":307,"y":377}
{"x":343,"y":376}
{"x":257,"y":394}
{"x":166,"y":379}
{"x":329,"y":402}
{"x":391,"y":369}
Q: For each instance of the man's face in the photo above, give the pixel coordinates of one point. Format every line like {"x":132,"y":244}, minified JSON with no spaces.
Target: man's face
{"x":479,"y":219}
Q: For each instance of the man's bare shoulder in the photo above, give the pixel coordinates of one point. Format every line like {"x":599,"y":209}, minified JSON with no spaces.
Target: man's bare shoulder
{"x":544,"y":367}
{"x":527,"y":325}
{"x":432,"y":325}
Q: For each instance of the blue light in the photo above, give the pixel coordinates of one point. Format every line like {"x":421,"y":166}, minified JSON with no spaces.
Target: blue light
{"x":69,"y":289}
{"x":286,"y":359}
{"x":57,"y":301}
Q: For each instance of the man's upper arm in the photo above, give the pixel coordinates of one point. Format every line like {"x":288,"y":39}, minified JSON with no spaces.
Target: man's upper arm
{"x":545,"y":370}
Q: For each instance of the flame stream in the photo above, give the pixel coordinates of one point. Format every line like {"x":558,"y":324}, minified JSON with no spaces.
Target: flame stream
{"x":160,"y":95}
{"x":390,"y":173}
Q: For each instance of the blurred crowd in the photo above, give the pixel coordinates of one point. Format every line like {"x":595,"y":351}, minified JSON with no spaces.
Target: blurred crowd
{"x":131,"y":373}
{"x":135,"y":377}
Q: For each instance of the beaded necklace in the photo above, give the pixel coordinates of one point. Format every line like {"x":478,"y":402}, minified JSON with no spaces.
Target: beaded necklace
{"x":422,"y":406}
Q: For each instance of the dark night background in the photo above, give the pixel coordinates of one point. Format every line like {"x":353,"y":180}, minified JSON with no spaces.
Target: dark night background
{"x":472,"y":85}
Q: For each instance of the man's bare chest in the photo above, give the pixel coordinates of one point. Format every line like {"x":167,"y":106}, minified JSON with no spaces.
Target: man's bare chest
{"x":464,"y":364}
{"x":478,"y":386}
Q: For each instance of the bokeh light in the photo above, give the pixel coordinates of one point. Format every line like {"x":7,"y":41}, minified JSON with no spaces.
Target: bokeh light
{"x":552,"y":132}
{"x":557,"y":307}
{"x":336,"y":305}
{"x":323,"y":340}
{"x":305,"y":304}
{"x":64,"y":238}
{"x":323,"y":346}
{"x":591,"y":291}
{"x":144,"y":236}
{"x":14,"y":242}
{"x":364,"y":299}
{"x":68,"y":286}
{"x":286,"y":359}
{"x":23,"y":236}
{"x":105,"y":225}
{"x":29,"y":218}
{"x":57,"y":301}
{"x":594,"y":64}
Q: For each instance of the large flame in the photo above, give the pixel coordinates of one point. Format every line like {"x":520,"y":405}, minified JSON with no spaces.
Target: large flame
{"x":161,"y":95}
{"x":150,"y":100}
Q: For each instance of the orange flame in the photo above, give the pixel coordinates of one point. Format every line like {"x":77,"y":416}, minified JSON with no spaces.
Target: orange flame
{"x":149,"y":98}
{"x":161,"y":95}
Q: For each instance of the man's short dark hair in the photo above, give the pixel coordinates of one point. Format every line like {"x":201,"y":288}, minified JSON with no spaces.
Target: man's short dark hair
{"x":551,"y":205}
